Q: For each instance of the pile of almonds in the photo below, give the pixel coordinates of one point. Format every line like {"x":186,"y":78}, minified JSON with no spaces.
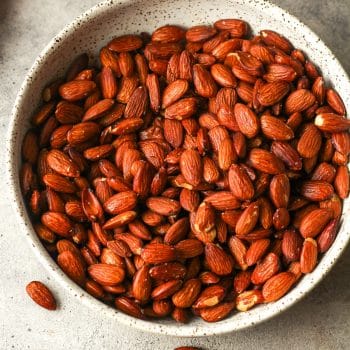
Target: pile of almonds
{"x":196,"y":170}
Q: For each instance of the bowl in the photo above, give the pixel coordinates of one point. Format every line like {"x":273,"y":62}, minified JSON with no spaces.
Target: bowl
{"x":91,"y":31}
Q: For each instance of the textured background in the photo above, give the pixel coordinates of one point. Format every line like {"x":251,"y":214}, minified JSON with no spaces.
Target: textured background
{"x":320,"y":321}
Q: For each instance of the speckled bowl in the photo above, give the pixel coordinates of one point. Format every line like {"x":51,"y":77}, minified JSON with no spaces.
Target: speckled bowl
{"x":94,"y":29}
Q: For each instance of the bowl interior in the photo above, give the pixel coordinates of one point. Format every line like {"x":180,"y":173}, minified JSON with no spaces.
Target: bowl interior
{"x":93,"y":30}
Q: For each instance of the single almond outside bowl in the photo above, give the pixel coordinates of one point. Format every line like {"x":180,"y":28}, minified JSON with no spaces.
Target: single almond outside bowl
{"x":88,"y":33}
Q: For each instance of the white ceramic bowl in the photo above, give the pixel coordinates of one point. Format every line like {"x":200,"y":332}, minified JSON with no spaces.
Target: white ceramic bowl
{"x":95,"y":28}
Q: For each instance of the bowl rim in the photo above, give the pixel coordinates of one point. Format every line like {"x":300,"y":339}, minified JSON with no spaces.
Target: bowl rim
{"x":173,"y":329}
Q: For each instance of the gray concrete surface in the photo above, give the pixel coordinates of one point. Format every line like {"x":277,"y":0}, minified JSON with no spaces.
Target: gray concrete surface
{"x":320,"y":321}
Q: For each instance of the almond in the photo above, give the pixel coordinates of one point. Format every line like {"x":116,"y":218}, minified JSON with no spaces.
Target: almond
{"x":120,"y":202}
{"x":335,"y":101}
{"x":188,"y":293}
{"x":314,"y":222}
{"x":280,"y":190}
{"x":248,"y":219}
{"x":308,"y":257}
{"x":125,"y":43}
{"x":246,"y":300}
{"x":72,"y":265}
{"x":341,"y":181}
{"x":203,"y":82}
{"x":238,"y":251}
{"x":246,"y":120}
{"x":265,"y":269}
{"x":310,"y":141}
{"x":105,"y":274}
{"x":76,"y":90}
{"x":272,"y":38}
{"x":265,"y":161}
{"x":256,"y":251}
{"x":291,"y":245}
{"x":240,"y":183}
{"x":217,"y":312}
{"x":299,"y":101}
{"x":331,"y":122}
{"x":200,"y":33}
{"x":41,"y":295}
{"x":191,"y":166}
{"x":272,"y":93}
{"x":277,"y":286}
{"x":217,"y":260}
{"x":316,"y":190}
{"x":275,"y":129}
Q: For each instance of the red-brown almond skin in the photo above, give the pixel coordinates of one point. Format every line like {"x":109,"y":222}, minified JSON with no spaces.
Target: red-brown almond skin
{"x":173,"y":132}
{"x":58,"y":183}
{"x":218,"y":261}
{"x":76,"y":90}
{"x":188,"y":293}
{"x":174,"y":91}
{"x":72,"y":265}
{"x":291,"y":245}
{"x":248,"y":299}
{"x":41,"y":295}
{"x":299,"y":101}
{"x":177,"y":231}
{"x":335,"y":101}
{"x":272,"y":38}
{"x":59,"y":223}
{"x":129,"y":307}
{"x":265,"y":161}
{"x":168,"y":271}
{"x":316,"y":190}
{"x":271,"y":93}
{"x":275,"y":129}
{"x":182,"y":109}
{"x":280,"y":190}
{"x":166,"y":289}
{"x":91,"y":205}
{"x":277,"y":286}
{"x":341,"y":181}
{"x":256,"y":251}
{"x":241,"y":281}
{"x":82,"y":132}
{"x":247,"y":120}
{"x":163,"y":206}
{"x":248,"y":219}
{"x":189,"y":248}
{"x":62,"y":164}
{"x":341,"y":142}
{"x":314,"y":222}
{"x":191,"y":166}
{"x":203,"y":82}
{"x":310,"y":141}
{"x":125,"y":43}
{"x":168,"y":34}
{"x":120,"y":202}
{"x":236,"y":27}
{"x":209,"y":297}
{"x":105,"y":274}
{"x":200,"y":33}
{"x":331,"y":122}
{"x":326,"y":238}
{"x":240,"y":183}
{"x":157,"y":253}
{"x":216,"y":313}
{"x":287,"y":154}
{"x":223,"y":200}
{"x":264,"y":270}
{"x":142,"y":284}
{"x":308,"y":257}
